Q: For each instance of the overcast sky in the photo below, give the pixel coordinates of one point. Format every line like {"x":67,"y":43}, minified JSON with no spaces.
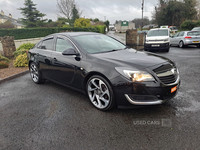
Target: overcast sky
{"x":112,"y":9}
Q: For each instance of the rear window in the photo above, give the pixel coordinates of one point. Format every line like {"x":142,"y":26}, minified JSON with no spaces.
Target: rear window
{"x":196,"y":29}
{"x":196,"y":33}
{"x":158,"y":33}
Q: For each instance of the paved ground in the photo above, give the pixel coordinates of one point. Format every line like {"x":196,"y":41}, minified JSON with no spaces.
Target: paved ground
{"x":50,"y":117}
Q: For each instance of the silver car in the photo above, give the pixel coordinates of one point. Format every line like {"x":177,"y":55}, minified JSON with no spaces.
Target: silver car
{"x":185,"y":38}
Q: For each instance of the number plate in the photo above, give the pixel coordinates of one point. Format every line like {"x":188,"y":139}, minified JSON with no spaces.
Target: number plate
{"x":155,"y":45}
{"x":195,"y":41}
{"x":173,"y":89}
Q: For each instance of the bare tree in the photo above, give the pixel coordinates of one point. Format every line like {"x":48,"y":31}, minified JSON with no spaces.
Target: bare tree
{"x":65,"y":8}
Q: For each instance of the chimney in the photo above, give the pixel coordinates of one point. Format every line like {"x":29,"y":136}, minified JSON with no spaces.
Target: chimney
{"x":2,"y":13}
{"x":10,"y":15}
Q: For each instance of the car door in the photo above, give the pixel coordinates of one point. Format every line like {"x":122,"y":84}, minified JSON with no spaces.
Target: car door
{"x":173,"y":39}
{"x":64,"y":66}
{"x":43,"y":55}
{"x":180,"y":37}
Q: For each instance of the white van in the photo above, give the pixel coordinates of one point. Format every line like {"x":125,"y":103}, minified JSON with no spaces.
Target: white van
{"x":157,"y":39}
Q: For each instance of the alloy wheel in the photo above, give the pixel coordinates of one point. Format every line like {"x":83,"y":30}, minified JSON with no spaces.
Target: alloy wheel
{"x":98,"y":93}
{"x":181,"y":44}
{"x":34,"y":72}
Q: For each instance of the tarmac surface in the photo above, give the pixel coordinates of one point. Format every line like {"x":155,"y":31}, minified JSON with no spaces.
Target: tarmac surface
{"x":52,"y":117}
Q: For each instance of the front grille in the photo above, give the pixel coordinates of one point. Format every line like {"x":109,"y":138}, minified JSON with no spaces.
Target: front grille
{"x":168,"y":79}
{"x":167,"y":74}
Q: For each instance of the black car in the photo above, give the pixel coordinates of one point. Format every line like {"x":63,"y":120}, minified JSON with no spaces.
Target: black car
{"x":105,"y":69}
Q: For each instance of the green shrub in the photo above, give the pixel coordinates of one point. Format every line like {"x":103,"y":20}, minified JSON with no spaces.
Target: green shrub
{"x":3,"y":64}
{"x":21,"y":61}
{"x":2,"y":58}
{"x":101,"y":28}
{"x":27,"y":46}
{"x":23,"y":49}
{"x":188,"y":25}
{"x":19,"y":52}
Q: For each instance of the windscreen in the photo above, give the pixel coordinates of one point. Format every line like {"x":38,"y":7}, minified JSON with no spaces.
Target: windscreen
{"x":98,"y":43}
{"x":158,"y":32}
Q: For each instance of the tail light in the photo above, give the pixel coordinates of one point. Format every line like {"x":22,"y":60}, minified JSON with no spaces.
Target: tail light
{"x":188,"y":37}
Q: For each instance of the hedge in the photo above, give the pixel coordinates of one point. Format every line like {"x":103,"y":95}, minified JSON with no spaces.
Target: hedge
{"x":101,"y":29}
{"x":40,"y":32}
{"x":189,"y":25}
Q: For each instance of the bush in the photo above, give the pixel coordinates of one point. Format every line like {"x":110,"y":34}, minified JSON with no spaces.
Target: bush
{"x":2,"y":58}
{"x":27,"y":46}
{"x":21,"y":61}
{"x":101,"y":28}
{"x":188,"y":25}
{"x":3,"y":64}
{"x":23,"y":49}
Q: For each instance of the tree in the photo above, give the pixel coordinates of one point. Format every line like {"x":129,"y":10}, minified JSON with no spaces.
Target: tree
{"x":7,"y":25}
{"x":65,"y":8}
{"x":172,"y":12}
{"x":82,"y":22}
{"x":96,"y":20}
{"x":107,"y":23}
{"x":32,"y":17}
{"x":75,"y":14}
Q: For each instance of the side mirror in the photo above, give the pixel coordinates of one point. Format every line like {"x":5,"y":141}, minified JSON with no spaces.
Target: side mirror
{"x":69,"y":51}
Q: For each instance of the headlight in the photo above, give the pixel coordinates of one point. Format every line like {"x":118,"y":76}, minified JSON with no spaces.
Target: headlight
{"x":135,"y":76}
{"x":166,"y":40}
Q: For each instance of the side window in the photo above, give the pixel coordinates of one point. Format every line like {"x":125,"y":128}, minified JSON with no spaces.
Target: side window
{"x":181,"y":34}
{"x":62,"y":45}
{"x":39,"y":45}
{"x":175,"y":35}
{"x":47,"y":44}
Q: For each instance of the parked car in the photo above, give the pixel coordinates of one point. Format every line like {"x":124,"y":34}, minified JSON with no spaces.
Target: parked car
{"x":173,"y":29}
{"x":157,"y":39}
{"x":105,"y":69}
{"x":196,"y":29}
{"x":185,"y":38}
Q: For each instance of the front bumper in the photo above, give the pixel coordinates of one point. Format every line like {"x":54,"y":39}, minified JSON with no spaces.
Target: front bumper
{"x":156,"y":46}
{"x":140,"y":94}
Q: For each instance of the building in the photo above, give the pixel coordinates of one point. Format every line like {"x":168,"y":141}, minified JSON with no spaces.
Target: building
{"x":122,"y":26}
{"x":17,"y":24}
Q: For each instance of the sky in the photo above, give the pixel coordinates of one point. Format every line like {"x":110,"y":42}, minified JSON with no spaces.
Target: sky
{"x":103,"y":9}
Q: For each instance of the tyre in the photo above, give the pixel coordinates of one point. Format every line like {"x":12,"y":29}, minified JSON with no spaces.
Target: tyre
{"x":167,"y":50}
{"x":100,"y":93}
{"x":35,"y":74}
{"x":181,"y":44}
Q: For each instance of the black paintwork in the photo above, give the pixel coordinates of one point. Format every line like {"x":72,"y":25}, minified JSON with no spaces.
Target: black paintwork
{"x":74,"y":70}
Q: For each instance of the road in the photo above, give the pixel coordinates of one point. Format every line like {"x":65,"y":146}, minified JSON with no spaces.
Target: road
{"x":52,"y":117}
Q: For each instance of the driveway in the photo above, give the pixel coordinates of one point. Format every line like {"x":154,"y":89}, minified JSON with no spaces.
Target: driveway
{"x":50,"y":116}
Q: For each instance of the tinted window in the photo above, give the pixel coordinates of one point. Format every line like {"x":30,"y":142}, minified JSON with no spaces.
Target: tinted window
{"x":47,"y":44}
{"x":39,"y":45}
{"x":193,"y":33}
{"x":158,"y":32}
{"x":98,"y":43}
{"x":62,"y":45}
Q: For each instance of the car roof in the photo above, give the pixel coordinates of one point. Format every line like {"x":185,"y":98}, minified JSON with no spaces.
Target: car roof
{"x":159,"y":29}
{"x":72,"y":34}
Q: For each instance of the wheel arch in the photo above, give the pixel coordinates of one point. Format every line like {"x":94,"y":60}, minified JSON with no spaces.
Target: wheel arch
{"x":92,"y":74}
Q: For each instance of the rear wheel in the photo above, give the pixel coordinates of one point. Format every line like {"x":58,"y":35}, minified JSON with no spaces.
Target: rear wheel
{"x":100,"y":93}
{"x":181,"y":44}
{"x":35,"y":74}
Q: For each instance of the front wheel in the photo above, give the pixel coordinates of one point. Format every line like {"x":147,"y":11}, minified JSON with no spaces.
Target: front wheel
{"x":35,"y":74}
{"x":100,"y":93}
